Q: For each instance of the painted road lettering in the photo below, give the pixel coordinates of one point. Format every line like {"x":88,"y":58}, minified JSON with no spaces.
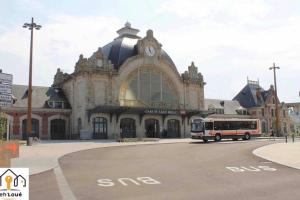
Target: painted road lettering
{"x":127,"y":181}
{"x":251,"y":169}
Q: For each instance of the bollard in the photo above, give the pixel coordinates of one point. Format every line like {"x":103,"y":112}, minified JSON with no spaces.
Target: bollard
{"x":286,"y":139}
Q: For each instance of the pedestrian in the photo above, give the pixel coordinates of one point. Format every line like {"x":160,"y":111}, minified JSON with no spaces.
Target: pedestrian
{"x":272,"y":132}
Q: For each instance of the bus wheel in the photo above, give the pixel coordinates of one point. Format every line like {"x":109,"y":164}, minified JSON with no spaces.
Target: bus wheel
{"x":218,"y":137}
{"x":247,"y":136}
{"x":235,"y":139}
{"x":205,"y":140}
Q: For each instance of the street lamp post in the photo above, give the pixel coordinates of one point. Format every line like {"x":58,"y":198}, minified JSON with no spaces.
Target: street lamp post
{"x":276,"y":97}
{"x":30,"y":26}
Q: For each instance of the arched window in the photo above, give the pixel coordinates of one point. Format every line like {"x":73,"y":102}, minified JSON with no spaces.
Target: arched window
{"x":100,"y":128}
{"x":148,"y":87}
{"x":128,"y":128}
{"x":152,"y":128}
{"x":58,"y":129}
{"x":34,"y":127}
{"x":173,"y":130}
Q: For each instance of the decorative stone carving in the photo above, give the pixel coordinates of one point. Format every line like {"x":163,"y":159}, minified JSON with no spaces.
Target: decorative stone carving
{"x":59,"y":77}
{"x":149,"y":41}
{"x":192,"y":75}
{"x":97,"y":62}
{"x":82,"y":64}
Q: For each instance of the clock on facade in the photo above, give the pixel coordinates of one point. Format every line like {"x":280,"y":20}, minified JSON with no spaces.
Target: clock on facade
{"x":99,"y":63}
{"x":149,"y":50}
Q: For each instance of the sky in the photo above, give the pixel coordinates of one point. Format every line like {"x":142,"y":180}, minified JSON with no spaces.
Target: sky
{"x":228,"y":40}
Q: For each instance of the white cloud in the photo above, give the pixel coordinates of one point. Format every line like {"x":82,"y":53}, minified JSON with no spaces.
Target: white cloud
{"x":239,"y":10}
{"x":57,"y":44}
{"x":230,"y":40}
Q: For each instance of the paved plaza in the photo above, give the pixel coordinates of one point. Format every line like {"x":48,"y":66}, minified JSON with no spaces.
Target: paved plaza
{"x":174,"y":168}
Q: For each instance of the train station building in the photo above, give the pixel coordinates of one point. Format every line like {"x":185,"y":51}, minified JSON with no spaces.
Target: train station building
{"x":127,"y":88}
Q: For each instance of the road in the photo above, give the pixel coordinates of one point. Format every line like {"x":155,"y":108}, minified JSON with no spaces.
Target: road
{"x":226,"y":170}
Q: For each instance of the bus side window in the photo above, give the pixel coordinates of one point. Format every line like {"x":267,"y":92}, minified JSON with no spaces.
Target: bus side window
{"x":253,"y":125}
{"x":217,"y":125}
{"x":208,"y":126}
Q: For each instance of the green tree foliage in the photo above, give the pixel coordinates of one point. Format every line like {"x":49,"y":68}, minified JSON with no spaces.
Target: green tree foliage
{"x":3,"y":126}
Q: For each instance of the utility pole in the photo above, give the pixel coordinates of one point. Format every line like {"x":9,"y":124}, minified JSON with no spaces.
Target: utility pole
{"x":30,"y":26}
{"x":276,"y":98}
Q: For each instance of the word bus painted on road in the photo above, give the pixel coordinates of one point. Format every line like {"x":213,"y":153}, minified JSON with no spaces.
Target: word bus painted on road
{"x":127,"y":181}
{"x":217,"y":129}
{"x":251,"y":169}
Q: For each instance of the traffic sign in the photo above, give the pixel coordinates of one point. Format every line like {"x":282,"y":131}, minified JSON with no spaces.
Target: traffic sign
{"x":5,"y":90}
{"x":10,"y":149}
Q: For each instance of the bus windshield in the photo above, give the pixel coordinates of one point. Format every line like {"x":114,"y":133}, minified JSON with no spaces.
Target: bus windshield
{"x":197,"y":127}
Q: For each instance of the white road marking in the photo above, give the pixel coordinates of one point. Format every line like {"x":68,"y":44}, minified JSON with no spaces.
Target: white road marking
{"x":266,"y":162}
{"x":127,"y":181}
{"x":251,"y":169}
{"x":63,"y":185}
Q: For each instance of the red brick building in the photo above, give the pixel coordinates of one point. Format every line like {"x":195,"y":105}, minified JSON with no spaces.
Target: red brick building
{"x":50,"y":113}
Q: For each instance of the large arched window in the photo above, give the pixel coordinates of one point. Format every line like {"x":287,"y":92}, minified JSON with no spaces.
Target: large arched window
{"x":34,"y":127}
{"x":152,"y":128}
{"x":58,"y":129}
{"x":173,"y":130}
{"x":128,"y":128}
{"x":100,"y":128}
{"x":148,"y":87}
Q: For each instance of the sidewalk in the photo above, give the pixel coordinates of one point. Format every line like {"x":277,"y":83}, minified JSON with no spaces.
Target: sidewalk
{"x":287,"y":154}
{"x":44,"y":156}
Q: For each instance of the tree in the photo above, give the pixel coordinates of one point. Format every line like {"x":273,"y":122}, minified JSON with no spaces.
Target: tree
{"x":3,"y":126}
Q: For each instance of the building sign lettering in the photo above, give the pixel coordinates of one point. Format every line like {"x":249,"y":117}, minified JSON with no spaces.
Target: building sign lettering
{"x":161,"y":111}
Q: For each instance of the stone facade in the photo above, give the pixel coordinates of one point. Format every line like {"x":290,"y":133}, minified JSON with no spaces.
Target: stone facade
{"x":50,"y":113}
{"x":133,"y":90}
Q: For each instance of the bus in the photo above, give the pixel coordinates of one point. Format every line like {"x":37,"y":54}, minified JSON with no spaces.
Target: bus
{"x":218,"y":129}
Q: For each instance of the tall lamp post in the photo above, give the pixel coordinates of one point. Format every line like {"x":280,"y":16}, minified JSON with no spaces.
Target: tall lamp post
{"x":30,"y":26}
{"x":274,"y":68}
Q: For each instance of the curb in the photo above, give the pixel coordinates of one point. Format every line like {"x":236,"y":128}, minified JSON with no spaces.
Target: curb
{"x":259,"y":154}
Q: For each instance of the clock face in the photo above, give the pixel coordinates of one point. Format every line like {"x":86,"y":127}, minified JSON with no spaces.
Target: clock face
{"x":150,"y":51}
{"x":99,"y":63}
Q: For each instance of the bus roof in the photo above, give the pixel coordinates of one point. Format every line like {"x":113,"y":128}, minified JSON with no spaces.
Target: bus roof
{"x":224,"y":119}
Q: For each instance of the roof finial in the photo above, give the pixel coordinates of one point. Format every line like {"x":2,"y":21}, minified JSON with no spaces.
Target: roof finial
{"x":128,"y":31}
{"x":149,"y":33}
{"x":127,"y":24}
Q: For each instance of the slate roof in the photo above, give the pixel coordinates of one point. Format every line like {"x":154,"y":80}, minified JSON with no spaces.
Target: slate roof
{"x":229,"y":106}
{"x":252,"y":95}
{"x":122,"y":48}
{"x":230,"y":116}
{"x":40,"y":96}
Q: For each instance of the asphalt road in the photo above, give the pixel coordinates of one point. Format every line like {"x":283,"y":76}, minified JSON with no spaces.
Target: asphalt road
{"x":226,"y":170}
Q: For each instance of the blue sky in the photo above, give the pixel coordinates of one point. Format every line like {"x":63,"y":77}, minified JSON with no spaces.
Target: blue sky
{"x":227,"y":39}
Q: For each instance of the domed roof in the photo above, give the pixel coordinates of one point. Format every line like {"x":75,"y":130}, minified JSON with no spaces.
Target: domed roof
{"x":125,"y":46}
